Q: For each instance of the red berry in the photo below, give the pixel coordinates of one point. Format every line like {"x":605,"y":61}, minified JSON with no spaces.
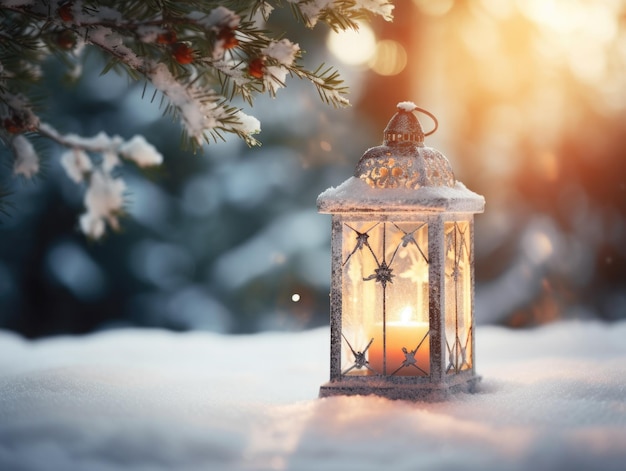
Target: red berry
{"x":66,"y":39}
{"x":168,"y":37}
{"x":182,"y":53}
{"x":65,"y":12}
{"x":256,"y":68}
{"x":13,"y":126}
{"x":227,"y":35}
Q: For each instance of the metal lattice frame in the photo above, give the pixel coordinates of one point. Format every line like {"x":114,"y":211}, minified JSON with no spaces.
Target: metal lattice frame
{"x":458,"y":244}
{"x":383,"y":274}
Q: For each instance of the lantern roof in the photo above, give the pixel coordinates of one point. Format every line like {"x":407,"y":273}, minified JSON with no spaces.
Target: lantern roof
{"x":402,"y":174}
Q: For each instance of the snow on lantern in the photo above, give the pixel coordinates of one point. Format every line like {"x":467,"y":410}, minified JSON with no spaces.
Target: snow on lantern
{"x":402,"y":287}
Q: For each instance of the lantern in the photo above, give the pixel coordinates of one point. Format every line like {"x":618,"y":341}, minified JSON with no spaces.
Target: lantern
{"x":402,"y":287}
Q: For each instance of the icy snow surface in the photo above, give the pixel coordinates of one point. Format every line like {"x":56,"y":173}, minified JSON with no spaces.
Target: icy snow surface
{"x":551,"y":398}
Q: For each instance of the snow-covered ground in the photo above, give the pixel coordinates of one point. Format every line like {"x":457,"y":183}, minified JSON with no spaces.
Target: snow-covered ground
{"x":551,"y":398}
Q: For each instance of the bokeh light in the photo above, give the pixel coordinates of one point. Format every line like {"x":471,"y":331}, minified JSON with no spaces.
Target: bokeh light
{"x":390,"y":58}
{"x":434,"y":8}
{"x":353,"y":47}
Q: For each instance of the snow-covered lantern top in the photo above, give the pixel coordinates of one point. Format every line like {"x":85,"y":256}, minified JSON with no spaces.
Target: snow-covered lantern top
{"x":402,"y":288}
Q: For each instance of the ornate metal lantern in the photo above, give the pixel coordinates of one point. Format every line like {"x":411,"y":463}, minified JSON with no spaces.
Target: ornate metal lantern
{"x":402,"y":288}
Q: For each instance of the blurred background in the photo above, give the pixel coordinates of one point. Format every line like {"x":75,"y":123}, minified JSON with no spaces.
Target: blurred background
{"x":531,"y":101}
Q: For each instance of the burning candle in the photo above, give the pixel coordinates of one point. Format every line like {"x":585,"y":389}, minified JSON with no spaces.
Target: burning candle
{"x":407,"y":348}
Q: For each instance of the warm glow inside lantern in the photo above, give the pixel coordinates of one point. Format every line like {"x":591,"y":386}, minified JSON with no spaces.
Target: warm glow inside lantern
{"x":402,"y":287}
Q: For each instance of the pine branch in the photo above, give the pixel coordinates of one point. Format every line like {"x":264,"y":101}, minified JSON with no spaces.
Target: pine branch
{"x":198,"y":56}
{"x":203,"y":44}
{"x":339,"y":14}
{"x":328,"y":84}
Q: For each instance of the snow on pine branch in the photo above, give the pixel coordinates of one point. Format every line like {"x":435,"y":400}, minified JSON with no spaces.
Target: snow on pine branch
{"x":284,"y":54}
{"x":199,"y":110}
{"x":340,"y":14}
{"x":192,"y":42}
{"x":26,"y":159}
{"x":104,"y":201}
{"x":92,"y":161}
{"x":198,"y":55}
{"x":141,"y":152}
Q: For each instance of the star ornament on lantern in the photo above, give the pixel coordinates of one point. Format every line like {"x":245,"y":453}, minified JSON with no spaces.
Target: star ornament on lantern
{"x":361,"y":241}
{"x":410,"y":360}
{"x":360,"y":359}
{"x":382,"y":274}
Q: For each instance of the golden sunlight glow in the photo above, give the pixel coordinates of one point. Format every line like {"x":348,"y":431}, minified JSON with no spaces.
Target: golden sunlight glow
{"x":596,"y":19}
{"x":548,"y":166}
{"x":389,"y":59}
{"x":434,"y":7}
{"x":527,"y":74}
{"x":353,"y":47}
{"x":577,"y":31}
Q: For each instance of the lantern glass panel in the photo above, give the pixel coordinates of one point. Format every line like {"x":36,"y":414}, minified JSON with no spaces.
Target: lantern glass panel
{"x":385,"y":321}
{"x":458,"y":289}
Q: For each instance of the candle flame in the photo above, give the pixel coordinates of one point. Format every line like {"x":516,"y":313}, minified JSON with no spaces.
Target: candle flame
{"x":406,"y":314}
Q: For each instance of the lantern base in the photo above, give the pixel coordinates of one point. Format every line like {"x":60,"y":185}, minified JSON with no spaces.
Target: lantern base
{"x":423,"y":391}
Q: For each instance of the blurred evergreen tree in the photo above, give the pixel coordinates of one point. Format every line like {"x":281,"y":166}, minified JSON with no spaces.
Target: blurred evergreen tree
{"x":174,"y":263}
{"x":198,"y":57}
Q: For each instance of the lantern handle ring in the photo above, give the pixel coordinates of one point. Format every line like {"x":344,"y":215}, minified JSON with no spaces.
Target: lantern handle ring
{"x":431,"y":116}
